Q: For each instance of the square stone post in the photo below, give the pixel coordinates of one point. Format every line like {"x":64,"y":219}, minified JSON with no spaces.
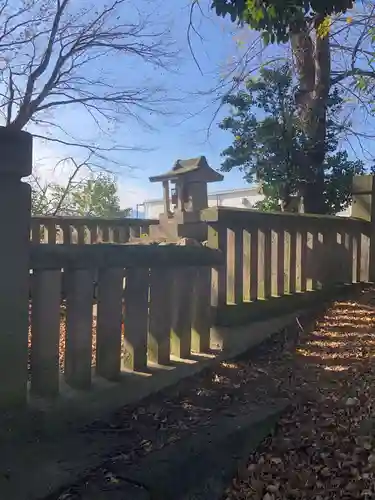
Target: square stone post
{"x":372,"y":232}
{"x":180,"y":196}
{"x":15,"y":219}
{"x":166,"y":197}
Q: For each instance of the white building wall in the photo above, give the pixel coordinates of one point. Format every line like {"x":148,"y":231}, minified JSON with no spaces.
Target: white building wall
{"x":346,"y":213}
{"x":237,"y":198}
{"x":240,"y":198}
{"x":153,"y":209}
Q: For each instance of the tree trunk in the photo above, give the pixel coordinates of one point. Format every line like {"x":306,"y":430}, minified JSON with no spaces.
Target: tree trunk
{"x":313,"y":64}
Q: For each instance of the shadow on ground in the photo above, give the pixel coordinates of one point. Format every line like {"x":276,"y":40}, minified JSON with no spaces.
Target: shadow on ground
{"x":324,"y":447}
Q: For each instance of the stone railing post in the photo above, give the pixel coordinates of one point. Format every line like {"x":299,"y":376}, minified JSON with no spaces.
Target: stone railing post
{"x":15,"y":220}
{"x":372,"y":232}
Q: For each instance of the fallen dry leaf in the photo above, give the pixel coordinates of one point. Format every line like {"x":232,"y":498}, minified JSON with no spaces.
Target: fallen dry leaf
{"x":327,"y":439}
{"x":322,"y":449}
{"x":62,"y":341}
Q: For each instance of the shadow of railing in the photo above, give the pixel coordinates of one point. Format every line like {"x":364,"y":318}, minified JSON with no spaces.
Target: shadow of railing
{"x":327,"y":266}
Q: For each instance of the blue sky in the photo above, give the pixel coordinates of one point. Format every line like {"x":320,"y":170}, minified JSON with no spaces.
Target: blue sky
{"x":182,"y":134}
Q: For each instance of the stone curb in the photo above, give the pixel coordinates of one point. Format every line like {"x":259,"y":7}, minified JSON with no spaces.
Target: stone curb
{"x":200,"y":467}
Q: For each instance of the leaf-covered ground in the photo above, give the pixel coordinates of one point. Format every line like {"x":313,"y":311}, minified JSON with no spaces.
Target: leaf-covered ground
{"x":324,"y":448}
{"x":62,"y":342}
{"x":173,"y":414}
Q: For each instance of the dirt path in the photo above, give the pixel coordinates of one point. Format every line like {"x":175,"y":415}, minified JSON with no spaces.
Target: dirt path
{"x":324,"y":448}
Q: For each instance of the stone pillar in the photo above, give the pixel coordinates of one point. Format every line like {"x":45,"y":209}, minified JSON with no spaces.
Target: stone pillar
{"x":166,"y":197}
{"x":15,"y":221}
{"x":372,"y":233}
{"x":199,"y":195}
{"x":180,"y":196}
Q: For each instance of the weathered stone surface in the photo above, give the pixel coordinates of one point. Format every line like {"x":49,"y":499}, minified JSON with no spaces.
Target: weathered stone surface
{"x":77,"y":369}
{"x":45,"y":313}
{"x":15,"y":207}
{"x":166,"y":241}
{"x":182,"y":312}
{"x":98,"y":256}
{"x":16,"y":152}
{"x":191,"y":242}
{"x":148,"y":241}
{"x":200,"y":466}
{"x":52,"y":445}
{"x":136,"y":319}
{"x":160,"y":316}
{"x":109,"y":314}
{"x":123,"y":491}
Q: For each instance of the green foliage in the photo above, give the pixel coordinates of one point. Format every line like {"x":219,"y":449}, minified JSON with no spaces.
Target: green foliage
{"x":95,"y":196}
{"x":269,"y":144}
{"x":270,"y":203}
{"x":276,"y":18}
{"x":267,"y":205}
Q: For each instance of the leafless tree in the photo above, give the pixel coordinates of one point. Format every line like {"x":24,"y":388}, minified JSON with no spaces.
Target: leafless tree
{"x":49,"y":197}
{"x":249,"y":55}
{"x":82,"y":190}
{"x":60,"y":56}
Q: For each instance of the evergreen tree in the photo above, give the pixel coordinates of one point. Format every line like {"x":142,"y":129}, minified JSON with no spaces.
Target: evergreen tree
{"x":270,"y":144}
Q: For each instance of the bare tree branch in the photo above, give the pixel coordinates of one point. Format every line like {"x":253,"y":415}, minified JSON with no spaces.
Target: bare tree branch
{"x":64,"y":198}
{"x":77,"y":168}
{"x":11,"y":98}
{"x":56,"y":54}
{"x":356,"y":46}
{"x":191,"y":27}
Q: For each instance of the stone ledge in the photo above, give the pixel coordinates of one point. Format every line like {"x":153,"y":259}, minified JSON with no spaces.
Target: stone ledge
{"x":199,"y":467}
{"x":104,"y":255}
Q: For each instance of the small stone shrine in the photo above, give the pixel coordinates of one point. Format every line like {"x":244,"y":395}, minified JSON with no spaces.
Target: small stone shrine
{"x":184,"y":200}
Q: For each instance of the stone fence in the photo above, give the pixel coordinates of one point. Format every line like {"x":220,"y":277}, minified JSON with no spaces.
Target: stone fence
{"x":53,"y":328}
{"x":71,"y":312}
{"x":271,"y":258}
{"x":159,"y":294}
{"x":87,"y":230}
